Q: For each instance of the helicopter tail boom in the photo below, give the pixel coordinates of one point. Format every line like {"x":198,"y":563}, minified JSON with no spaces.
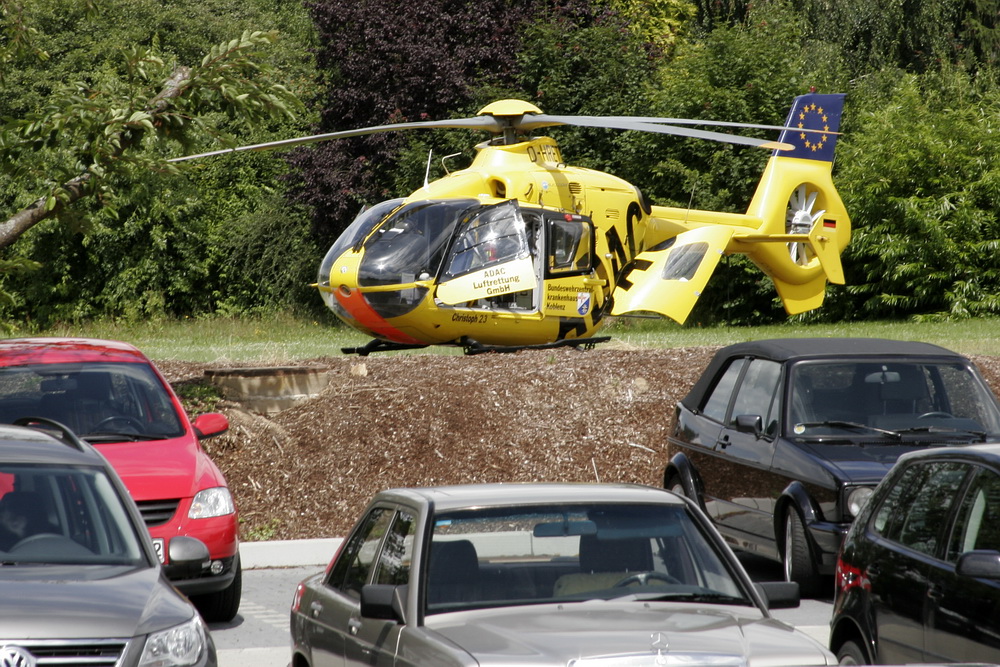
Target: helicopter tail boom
{"x":794,"y":230}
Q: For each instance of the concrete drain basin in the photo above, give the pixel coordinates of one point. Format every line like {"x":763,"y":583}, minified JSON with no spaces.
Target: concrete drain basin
{"x":269,"y":390}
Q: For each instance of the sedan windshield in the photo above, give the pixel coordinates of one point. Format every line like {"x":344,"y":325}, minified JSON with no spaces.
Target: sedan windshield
{"x":100,"y":401}
{"x":891,"y":399}
{"x":63,"y":515}
{"x":496,"y":557}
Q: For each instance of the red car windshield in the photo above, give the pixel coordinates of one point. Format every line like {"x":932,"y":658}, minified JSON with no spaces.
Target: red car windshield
{"x":101,"y":401}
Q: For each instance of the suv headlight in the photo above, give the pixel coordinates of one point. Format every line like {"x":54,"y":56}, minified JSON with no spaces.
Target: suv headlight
{"x":211,"y":502}
{"x":857,"y":499}
{"x":179,"y":646}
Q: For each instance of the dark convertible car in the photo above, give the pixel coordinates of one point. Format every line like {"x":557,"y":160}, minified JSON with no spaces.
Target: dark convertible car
{"x":782,"y":441}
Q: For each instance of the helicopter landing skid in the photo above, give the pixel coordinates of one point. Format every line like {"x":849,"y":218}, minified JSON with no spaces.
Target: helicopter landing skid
{"x":473,"y":347}
{"x":376,"y":345}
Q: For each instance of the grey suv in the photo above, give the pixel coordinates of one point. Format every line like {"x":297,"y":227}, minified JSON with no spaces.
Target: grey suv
{"x":80,"y":582}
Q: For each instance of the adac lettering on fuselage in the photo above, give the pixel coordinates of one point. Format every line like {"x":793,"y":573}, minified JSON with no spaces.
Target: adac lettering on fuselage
{"x":513,"y":276}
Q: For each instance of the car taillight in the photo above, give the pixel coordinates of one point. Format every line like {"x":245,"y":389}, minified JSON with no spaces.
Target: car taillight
{"x":297,"y":598}
{"x":849,"y":576}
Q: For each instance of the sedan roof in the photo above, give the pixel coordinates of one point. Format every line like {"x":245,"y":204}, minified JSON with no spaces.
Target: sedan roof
{"x":796,"y":349}
{"x":445,"y":498}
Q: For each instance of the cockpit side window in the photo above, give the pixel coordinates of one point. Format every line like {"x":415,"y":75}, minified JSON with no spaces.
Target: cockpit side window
{"x":570,"y":245}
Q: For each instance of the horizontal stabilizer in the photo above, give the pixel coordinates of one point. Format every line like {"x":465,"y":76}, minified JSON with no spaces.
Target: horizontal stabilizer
{"x":669,"y":279}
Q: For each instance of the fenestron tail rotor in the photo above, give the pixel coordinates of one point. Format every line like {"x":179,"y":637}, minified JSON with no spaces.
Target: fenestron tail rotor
{"x":800,"y":219}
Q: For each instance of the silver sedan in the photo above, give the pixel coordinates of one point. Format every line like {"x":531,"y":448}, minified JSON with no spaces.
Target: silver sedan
{"x":575,"y":575}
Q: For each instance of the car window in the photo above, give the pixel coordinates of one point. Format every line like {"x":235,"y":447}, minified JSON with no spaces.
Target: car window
{"x":354,"y":564}
{"x":54,"y":514}
{"x":91,"y":397}
{"x":397,"y":551}
{"x":897,"y":395}
{"x":978,"y":522}
{"x":755,"y":395}
{"x":494,"y":557}
{"x":718,"y":401}
{"x":915,"y":510}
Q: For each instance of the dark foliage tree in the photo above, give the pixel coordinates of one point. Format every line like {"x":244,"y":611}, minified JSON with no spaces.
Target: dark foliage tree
{"x":393,"y":61}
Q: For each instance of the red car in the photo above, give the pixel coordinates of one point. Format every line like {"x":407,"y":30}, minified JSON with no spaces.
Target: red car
{"x":111,"y":395}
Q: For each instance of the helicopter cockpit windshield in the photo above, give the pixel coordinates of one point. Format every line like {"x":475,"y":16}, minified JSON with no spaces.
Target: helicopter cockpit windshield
{"x":409,"y":244}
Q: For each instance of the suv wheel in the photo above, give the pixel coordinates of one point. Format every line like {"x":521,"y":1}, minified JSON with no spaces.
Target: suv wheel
{"x":851,"y":654}
{"x":674,"y":485}
{"x":797,"y":561}
{"x":221,"y":607}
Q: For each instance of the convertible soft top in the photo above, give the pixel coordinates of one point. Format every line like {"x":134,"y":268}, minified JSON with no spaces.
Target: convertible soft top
{"x":795,"y":349}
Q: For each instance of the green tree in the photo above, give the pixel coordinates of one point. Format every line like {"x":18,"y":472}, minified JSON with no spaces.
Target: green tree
{"x":920,"y":174}
{"x":139,"y":239}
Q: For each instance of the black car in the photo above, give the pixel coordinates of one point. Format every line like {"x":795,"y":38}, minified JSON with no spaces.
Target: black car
{"x":919,"y":576}
{"x":80,"y":582}
{"x":782,"y":441}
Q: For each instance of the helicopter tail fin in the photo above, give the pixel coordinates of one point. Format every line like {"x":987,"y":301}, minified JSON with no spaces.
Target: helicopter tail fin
{"x":804,"y":225}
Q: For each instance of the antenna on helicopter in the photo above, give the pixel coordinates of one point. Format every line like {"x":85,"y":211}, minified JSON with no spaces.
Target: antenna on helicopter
{"x":446,"y":157}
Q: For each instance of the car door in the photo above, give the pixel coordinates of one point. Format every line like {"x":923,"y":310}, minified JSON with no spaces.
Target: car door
{"x":699,"y":432}
{"x":335,"y":631}
{"x":742,"y":484}
{"x":908,"y":530}
{"x":963,"y":613}
{"x":373,"y":641}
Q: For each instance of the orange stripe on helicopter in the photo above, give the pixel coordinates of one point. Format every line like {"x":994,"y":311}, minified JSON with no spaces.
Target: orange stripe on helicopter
{"x":354,"y":303}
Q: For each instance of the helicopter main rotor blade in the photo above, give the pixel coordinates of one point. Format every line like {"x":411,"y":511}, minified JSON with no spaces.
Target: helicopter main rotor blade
{"x":720,"y":123}
{"x":533,"y":121}
{"x":487,"y":123}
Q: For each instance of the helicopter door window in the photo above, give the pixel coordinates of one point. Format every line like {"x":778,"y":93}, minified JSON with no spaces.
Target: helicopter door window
{"x":493,"y":235}
{"x":570,"y":246}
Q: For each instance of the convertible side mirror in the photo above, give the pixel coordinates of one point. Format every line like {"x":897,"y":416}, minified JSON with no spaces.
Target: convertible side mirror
{"x":753,"y":424}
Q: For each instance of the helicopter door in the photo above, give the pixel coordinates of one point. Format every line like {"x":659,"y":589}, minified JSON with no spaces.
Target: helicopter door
{"x":669,"y":278}
{"x":569,"y":253}
{"x":489,"y":258}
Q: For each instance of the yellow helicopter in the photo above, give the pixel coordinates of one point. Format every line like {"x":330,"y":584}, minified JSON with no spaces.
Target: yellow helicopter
{"x":522,"y":250}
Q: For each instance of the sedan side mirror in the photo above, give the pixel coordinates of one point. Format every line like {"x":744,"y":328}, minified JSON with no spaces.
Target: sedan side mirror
{"x":982,"y":564}
{"x":780,"y":594}
{"x":384,"y":601}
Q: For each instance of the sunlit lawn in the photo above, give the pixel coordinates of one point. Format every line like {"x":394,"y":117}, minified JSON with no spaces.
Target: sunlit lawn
{"x":279,"y":339}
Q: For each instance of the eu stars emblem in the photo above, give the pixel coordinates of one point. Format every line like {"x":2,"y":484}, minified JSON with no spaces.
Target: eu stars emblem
{"x":816,"y":119}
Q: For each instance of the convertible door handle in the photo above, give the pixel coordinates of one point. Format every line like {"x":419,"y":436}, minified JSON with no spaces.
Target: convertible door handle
{"x":353,"y":626}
